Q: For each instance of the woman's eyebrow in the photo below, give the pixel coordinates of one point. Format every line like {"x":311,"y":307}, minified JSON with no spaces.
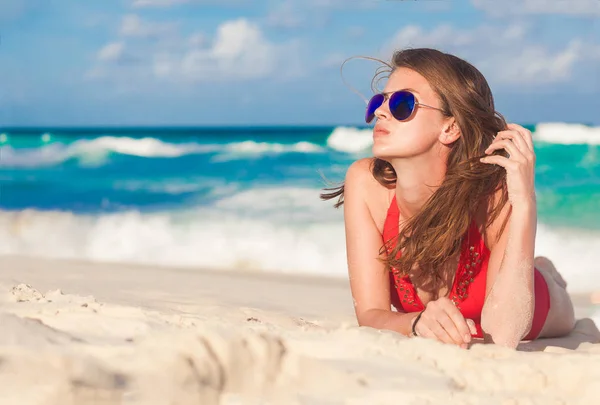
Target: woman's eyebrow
{"x":407,"y":89}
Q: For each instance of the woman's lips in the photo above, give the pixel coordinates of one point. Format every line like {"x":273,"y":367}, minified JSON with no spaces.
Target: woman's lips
{"x":380,"y":131}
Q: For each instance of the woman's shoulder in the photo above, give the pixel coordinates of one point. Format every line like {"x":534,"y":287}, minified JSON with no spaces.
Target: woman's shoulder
{"x":362,"y":186}
{"x":360,"y":171}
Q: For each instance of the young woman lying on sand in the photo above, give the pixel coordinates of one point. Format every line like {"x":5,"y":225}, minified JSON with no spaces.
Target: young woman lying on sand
{"x":441,"y":223}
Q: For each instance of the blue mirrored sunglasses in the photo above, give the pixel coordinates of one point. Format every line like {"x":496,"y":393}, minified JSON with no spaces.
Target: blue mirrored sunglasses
{"x":402,"y":105}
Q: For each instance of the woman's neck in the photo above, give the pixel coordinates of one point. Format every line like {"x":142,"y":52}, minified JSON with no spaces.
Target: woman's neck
{"x":417,"y":179}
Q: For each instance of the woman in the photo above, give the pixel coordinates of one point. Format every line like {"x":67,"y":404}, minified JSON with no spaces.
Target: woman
{"x":441,"y":223}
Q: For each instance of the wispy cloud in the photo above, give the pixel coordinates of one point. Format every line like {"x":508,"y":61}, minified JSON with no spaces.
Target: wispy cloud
{"x":111,"y":52}
{"x":293,"y":14}
{"x":239,"y":50}
{"x":343,"y":4}
{"x":585,"y":8}
{"x":285,"y":14}
{"x":355,"y":32}
{"x":333,"y":60}
{"x":172,"y":3}
{"x":508,"y":54}
{"x":134,"y":26}
{"x":158,"y":3}
{"x":136,"y":54}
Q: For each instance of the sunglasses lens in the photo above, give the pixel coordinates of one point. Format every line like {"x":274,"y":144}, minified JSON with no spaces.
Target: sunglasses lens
{"x":373,"y":105}
{"x":402,"y":105}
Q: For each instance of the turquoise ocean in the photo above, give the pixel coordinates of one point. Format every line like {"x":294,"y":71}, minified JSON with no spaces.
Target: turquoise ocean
{"x":244,"y":198}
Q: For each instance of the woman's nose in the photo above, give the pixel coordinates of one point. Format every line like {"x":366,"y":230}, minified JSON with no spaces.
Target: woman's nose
{"x":383,"y":111}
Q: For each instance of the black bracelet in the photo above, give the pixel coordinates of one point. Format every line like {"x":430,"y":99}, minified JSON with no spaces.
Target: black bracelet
{"x":414,"y":332}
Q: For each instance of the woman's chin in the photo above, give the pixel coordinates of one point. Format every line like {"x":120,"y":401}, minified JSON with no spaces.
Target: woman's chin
{"x":381,"y":152}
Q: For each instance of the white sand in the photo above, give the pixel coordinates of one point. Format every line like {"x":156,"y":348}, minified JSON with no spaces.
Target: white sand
{"x":81,"y":333}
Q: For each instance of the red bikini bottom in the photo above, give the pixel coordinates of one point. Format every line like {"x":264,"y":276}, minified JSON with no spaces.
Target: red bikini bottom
{"x":542,"y":305}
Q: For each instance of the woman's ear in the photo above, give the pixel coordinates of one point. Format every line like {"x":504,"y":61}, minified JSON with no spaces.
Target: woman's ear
{"x":450,"y":132}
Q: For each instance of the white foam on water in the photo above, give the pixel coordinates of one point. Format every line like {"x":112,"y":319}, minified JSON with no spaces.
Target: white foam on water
{"x":236,"y":234}
{"x":173,"y":186}
{"x":250,"y":149}
{"x":575,"y":253}
{"x":273,"y":229}
{"x":350,"y":140}
{"x":94,"y":152}
{"x":562,"y":133}
{"x":346,"y":139}
{"x":355,"y":140}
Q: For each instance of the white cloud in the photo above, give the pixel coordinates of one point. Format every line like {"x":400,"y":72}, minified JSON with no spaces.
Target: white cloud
{"x":196,"y":40}
{"x":239,"y":50}
{"x":133,"y":26}
{"x":535,"y":64}
{"x":285,"y":15}
{"x":504,"y":53}
{"x":292,"y":14}
{"x":447,"y":36}
{"x":496,"y":8}
{"x":333,"y":60}
{"x":356,"y":31}
{"x":343,"y":4}
{"x":157,"y":3}
{"x":111,"y":52}
{"x":163,"y":66}
{"x":171,"y":3}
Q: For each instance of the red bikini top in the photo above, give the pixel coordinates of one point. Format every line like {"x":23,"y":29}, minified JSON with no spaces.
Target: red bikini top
{"x":468,"y":289}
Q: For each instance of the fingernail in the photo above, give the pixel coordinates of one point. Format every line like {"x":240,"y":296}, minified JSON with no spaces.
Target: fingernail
{"x":467,"y":338}
{"x":463,"y":346}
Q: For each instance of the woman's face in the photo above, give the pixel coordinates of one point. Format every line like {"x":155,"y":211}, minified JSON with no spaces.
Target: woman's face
{"x":420,"y":132}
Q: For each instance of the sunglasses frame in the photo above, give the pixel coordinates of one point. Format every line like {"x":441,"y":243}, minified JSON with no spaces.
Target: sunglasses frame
{"x":387,"y":96}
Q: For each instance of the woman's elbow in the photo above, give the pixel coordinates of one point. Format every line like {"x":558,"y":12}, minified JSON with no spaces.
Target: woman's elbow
{"x":366,"y":317}
{"x":506,"y":332}
{"x":502,"y":338}
{"x":376,"y":318}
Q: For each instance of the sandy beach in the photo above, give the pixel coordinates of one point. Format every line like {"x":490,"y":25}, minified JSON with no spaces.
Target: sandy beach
{"x":88,"y":333}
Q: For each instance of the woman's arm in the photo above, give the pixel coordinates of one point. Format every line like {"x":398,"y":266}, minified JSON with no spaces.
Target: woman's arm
{"x":509,"y":306}
{"x":369,"y":279}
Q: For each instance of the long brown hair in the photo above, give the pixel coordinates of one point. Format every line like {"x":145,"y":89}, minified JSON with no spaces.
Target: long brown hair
{"x":436,"y":232}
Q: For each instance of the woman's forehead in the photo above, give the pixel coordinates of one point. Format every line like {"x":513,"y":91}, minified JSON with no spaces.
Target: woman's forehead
{"x":403,"y":78}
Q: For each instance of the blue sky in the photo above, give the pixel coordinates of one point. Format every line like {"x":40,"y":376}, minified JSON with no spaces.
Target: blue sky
{"x":253,"y":62}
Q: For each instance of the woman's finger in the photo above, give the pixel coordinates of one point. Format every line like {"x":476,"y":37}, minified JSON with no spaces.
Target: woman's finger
{"x":499,"y":160}
{"x":509,"y":146}
{"x":429,"y":320}
{"x":459,"y":322}
{"x":516,"y":138}
{"x":451,"y":329}
{"x":525,"y":133}
{"x":425,"y":332}
{"x":440,"y":333}
{"x":472,"y":327}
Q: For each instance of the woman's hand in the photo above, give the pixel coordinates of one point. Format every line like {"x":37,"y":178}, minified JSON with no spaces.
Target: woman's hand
{"x":441,"y":320}
{"x":520,"y":165}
